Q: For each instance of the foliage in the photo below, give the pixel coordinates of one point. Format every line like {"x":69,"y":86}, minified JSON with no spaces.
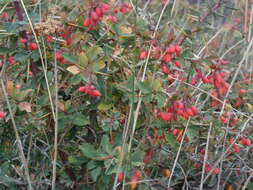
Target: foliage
{"x":134,"y":94}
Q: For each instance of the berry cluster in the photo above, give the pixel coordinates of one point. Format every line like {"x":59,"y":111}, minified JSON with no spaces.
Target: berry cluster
{"x":90,"y":90}
{"x":178,"y":108}
{"x":96,"y":15}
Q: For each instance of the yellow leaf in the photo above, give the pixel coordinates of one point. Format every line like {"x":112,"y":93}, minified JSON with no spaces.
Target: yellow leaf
{"x":61,"y":106}
{"x":74,"y":69}
{"x":126,"y":30}
{"x":25,"y":106}
{"x":250,"y":107}
{"x":83,"y":59}
{"x":9,"y":86}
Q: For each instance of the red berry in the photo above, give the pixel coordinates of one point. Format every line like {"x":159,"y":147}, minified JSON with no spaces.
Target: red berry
{"x":165,"y":69}
{"x":177,"y":63}
{"x":246,"y":142}
{"x":197,"y":165}
{"x":175,"y":132}
{"x":208,"y":168}
{"x":190,"y":112}
{"x":165,"y":116}
{"x":91,"y":87}
{"x":203,"y":151}
{"x":87,"y":22}
{"x":95,"y":93}
{"x":137,"y":173}
{"x":194,"y":110}
{"x":171,"y":50}
{"x":146,"y":159}
{"x":5,"y":16}
{"x":69,"y":41}
{"x":23,"y":40}
{"x":105,"y":7}
{"x":204,"y":80}
{"x":243,"y":91}
{"x":12,"y":60}
{"x":231,"y":140}
{"x":143,"y":55}
{"x":112,"y":18}
{"x":167,"y":58}
{"x":2,"y":115}
{"x":94,"y":16}
{"x":99,"y":12}
{"x":59,"y":56}
{"x":82,"y":89}
{"x":133,"y":181}
{"x":179,"y":104}
{"x":50,"y":39}
{"x":33,"y":46}
{"x":195,"y":80}
{"x":121,"y":177}
{"x":178,"y":50}
{"x":236,"y":148}
{"x":216,"y":171}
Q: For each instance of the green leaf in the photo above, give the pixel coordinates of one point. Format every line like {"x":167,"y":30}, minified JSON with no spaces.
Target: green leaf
{"x":4,"y":50}
{"x":138,"y":156}
{"x":20,"y":57}
{"x":43,"y":100}
{"x":161,"y":99}
{"x":172,"y":140}
{"x":104,"y":106}
{"x":93,"y":52}
{"x":80,"y":120}
{"x":35,"y":56}
{"x":91,"y":165}
{"x":105,"y":144}
{"x":11,"y":27}
{"x":95,"y":173}
{"x":250,"y":186}
{"x":97,"y":65}
{"x":76,"y":160}
{"x":157,"y":85}
{"x":76,"y":79}
{"x":70,"y":57}
{"x":88,"y":150}
{"x":144,"y":88}
{"x":192,"y":133}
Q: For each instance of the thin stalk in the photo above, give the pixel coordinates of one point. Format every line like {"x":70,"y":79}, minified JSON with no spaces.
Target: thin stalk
{"x":20,"y":147}
{"x":143,"y":78}
{"x":205,"y":157}
{"x":56,"y":122}
{"x":178,"y":153}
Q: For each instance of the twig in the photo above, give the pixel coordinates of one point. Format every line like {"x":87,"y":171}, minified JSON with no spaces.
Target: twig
{"x":205,"y":157}
{"x":202,"y":19}
{"x":178,"y":153}
{"x":20,"y":146}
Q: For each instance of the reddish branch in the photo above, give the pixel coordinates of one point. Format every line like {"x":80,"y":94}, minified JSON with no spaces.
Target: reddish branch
{"x":202,"y":19}
{"x":216,"y":6}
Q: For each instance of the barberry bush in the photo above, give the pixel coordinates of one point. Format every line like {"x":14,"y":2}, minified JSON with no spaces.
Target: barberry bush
{"x":132,"y":94}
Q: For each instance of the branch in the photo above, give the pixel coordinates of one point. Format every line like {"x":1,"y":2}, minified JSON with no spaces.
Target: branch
{"x":202,"y":19}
